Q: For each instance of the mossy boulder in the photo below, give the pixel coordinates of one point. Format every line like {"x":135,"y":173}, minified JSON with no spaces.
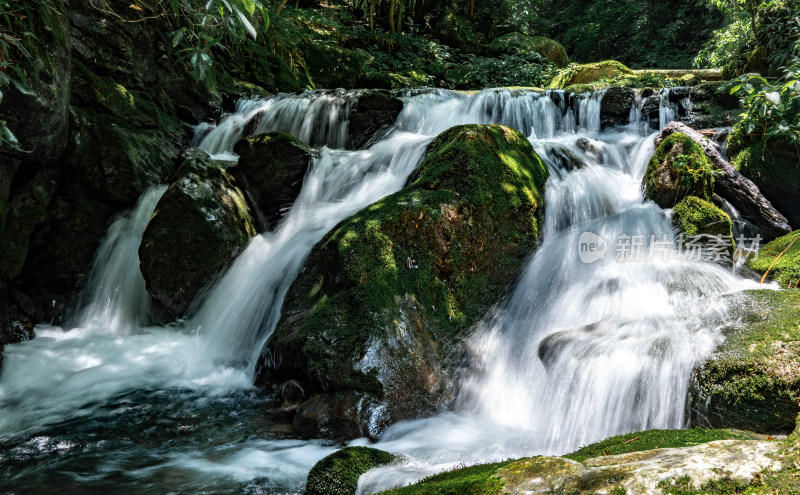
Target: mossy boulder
{"x":679,"y":168}
{"x":455,"y":30}
{"x":516,"y":42}
{"x":700,"y":220}
{"x":784,"y":270}
{"x":199,"y":225}
{"x":774,"y":166}
{"x":338,"y":473}
{"x":388,"y":297}
{"x":272,"y":167}
{"x":332,"y":66}
{"x":631,"y":463}
{"x":589,"y":73}
{"x":752,"y":381}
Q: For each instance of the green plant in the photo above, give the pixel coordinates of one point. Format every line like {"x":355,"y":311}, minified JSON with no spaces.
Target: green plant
{"x":693,"y":169}
{"x":772,"y":110}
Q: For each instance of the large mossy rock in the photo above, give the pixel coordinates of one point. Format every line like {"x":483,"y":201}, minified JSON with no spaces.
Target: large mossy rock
{"x":516,"y":42}
{"x":647,"y":462}
{"x":338,"y":473}
{"x":679,"y":168}
{"x":774,"y":166}
{"x":700,"y":220}
{"x":272,"y":166}
{"x":455,"y":30}
{"x":752,"y":381}
{"x":388,"y":297}
{"x":200,"y":224}
{"x":590,"y":73}
{"x":780,"y":261}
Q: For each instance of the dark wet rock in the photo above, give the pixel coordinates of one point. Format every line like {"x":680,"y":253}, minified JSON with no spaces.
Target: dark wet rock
{"x":200,"y":224}
{"x":616,"y":106}
{"x":734,"y":187}
{"x":375,"y":324}
{"x":374,"y":112}
{"x":271,"y":168}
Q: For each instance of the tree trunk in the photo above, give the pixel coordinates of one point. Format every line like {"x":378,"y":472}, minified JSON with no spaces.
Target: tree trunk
{"x":391,"y":16}
{"x":371,"y":15}
{"x":734,"y":187}
{"x":280,"y":7}
{"x":401,"y":8}
{"x":471,"y":9}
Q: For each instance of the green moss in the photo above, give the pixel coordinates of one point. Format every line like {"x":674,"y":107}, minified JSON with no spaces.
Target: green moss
{"x":679,"y":168}
{"x":589,"y":73}
{"x":784,"y":270}
{"x":770,"y":164}
{"x":752,"y":381}
{"x":654,"y":439}
{"x":473,"y":480}
{"x":337,"y":474}
{"x":696,"y":217}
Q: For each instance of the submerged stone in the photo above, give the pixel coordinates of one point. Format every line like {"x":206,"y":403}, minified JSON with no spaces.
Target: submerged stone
{"x":200,"y":224}
{"x":388,"y":296}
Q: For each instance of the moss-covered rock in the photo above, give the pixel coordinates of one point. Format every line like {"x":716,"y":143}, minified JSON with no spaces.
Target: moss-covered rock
{"x":332,"y":66}
{"x":700,"y":220}
{"x":272,"y":166}
{"x":774,"y":166}
{"x":632,"y":463}
{"x":589,"y":73}
{"x":388,"y":296}
{"x":679,"y":168}
{"x":455,"y":30}
{"x":515,"y":42}
{"x":752,"y":381}
{"x":337,"y":474}
{"x":200,"y":223}
{"x":784,"y":270}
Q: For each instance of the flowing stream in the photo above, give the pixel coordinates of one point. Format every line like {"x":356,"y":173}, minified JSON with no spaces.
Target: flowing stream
{"x":591,"y":342}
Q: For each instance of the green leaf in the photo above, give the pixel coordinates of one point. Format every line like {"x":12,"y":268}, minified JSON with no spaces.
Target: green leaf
{"x":249,"y":6}
{"x":176,"y":6}
{"x":773,"y":97}
{"x":23,"y":88}
{"x":9,"y":137}
{"x":736,"y":89}
{"x":178,"y":37}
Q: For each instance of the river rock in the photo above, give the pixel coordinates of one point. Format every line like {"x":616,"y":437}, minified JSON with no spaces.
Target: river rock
{"x":200,"y":224}
{"x":679,"y":168}
{"x":388,"y":297}
{"x":374,"y":112}
{"x":272,"y":167}
{"x":337,"y":474}
{"x":779,"y":261}
{"x":752,"y":381}
{"x":704,"y":226}
{"x":615,"y":107}
{"x":732,"y":186}
{"x":589,"y":73}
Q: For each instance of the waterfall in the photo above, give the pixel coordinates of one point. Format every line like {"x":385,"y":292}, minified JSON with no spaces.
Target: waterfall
{"x":582,"y":347}
{"x":114,"y":298}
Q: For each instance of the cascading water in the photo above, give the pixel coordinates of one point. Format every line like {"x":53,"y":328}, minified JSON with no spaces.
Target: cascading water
{"x":580,"y":350}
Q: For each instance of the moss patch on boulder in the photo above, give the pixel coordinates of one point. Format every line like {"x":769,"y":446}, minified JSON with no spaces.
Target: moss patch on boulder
{"x":679,"y":168}
{"x":407,"y":277}
{"x":701,"y":220}
{"x":784,"y":270}
{"x":589,"y":73}
{"x":655,"y":439}
{"x":752,"y":381}
{"x":201,"y":222}
{"x":337,"y":474}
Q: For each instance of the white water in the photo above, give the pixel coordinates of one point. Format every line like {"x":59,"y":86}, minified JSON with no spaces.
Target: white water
{"x":578,"y":352}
